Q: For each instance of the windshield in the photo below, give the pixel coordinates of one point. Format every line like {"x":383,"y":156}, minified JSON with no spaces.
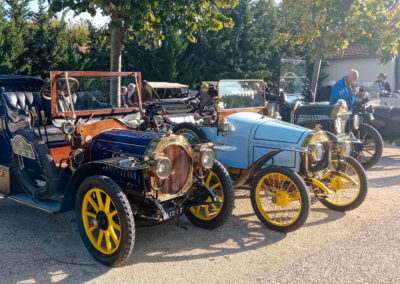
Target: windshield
{"x":102,"y":92}
{"x":241,"y":94}
{"x":370,"y":90}
{"x":293,"y":76}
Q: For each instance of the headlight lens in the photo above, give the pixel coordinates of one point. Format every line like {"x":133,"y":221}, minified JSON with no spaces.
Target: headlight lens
{"x":356,"y":122}
{"x":68,"y":127}
{"x":344,"y":147}
{"x":316,"y":151}
{"x":207,"y":159}
{"x":338,"y":126}
{"x":163,"y":168}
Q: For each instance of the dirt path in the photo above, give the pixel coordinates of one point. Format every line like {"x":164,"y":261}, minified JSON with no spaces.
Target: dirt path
{"x":358,"y":246}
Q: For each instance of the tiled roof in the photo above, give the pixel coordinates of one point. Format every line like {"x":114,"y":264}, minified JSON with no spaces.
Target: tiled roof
{"x":353,"y":50}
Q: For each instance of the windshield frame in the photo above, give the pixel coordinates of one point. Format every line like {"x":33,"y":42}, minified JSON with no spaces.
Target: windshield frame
{"x":79,"y":113}
{"x":245,"y":108}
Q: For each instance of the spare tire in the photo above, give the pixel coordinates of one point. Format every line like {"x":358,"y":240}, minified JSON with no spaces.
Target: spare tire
{"x":34,"y":165}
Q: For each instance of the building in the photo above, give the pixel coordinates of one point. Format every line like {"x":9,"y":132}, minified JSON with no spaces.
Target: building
{"x":357,"y":56}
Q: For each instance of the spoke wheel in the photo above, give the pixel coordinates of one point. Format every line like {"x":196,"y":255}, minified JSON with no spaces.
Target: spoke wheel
{"x":280,"y":199}
{"x":105,"y":220}
{"x":372,"y":145}
{"x":191,"y":132}
{"x":214,"y":214}
{"x":349,"y":189}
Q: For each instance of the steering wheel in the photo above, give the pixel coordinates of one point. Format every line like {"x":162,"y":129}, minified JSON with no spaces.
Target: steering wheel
{"x":47,"y":87}
{"x":209,"y":103}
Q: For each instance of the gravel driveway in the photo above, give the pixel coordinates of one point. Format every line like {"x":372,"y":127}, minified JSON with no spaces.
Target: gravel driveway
{"x":361,"y":246}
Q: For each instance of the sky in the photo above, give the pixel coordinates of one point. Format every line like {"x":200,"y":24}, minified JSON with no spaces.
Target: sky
{"x":99,"y":20}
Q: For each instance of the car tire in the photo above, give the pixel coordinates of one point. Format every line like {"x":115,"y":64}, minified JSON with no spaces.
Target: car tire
{"x":349,"y":164}
{"x":107,"y":231}
{"x":216,"y":214}
{"x":364,"y":131}
{"x":295,"y":188}
{"x":190,"y":131}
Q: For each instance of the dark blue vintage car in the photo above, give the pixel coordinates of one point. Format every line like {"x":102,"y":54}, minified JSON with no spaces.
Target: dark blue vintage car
{"x":70,"y":145}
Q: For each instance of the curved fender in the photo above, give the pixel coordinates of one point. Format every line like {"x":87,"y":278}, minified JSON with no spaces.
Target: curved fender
{"x":93,"y":168}
{"x":262,"y":161}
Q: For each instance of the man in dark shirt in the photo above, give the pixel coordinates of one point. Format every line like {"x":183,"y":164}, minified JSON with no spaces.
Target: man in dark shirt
{"x":383,"y":85}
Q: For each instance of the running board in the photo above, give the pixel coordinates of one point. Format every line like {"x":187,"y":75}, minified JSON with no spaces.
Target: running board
{"x":49,"y":206}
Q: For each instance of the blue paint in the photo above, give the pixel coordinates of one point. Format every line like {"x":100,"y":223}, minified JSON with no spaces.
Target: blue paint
{"x":121,"y":143}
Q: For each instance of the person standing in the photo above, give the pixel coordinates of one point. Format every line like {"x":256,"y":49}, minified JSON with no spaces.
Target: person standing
{"x":346,"y":89}
{"x":383,"y":85}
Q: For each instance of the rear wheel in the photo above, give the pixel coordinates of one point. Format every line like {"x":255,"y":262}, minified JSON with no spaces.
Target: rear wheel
{"x":214,"y":214}
{"x":105,"y":220}
{"x":372,"y":145}
{"x":280,"y":199}
{"x":349,"y":188}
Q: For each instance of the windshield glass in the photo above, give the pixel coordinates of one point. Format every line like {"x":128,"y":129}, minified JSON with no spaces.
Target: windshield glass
{"x":104,"y":91}
{"x":293,"y":76}
{"x":370,"y":89}
{"x":241,"y":94}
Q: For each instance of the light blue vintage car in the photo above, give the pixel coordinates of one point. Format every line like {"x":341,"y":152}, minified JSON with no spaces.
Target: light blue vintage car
{"x":288,"y":166}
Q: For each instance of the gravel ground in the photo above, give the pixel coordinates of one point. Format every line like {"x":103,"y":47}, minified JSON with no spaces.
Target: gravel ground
{"x":360,"y":246}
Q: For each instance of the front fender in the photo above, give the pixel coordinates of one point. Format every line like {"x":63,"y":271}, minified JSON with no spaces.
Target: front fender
{"x":97,"y":167}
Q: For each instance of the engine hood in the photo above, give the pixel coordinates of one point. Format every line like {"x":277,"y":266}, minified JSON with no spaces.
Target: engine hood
{"x":263,"y":128}
{"x":121,"y":143}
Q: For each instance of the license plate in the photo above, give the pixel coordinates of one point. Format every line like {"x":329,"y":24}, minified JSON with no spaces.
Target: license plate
{"x":175,"y":212}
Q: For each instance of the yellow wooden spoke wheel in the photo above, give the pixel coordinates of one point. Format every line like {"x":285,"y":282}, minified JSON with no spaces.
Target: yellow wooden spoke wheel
{"x":213,"y":214}
{"x":105,"y":220}
{"x":348,"y":186}
{"x":280,"y":199}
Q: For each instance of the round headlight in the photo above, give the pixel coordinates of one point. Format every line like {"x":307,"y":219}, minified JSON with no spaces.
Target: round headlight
{"x":163,"y":168}
{"x":338,"y":126}
{"x":207,"y":159}
{"x":68,"y":127}
{"x":316,"y":151}
{"x":159,"y":120}
{"x":356,"y":122}
{"x":344,"y":147}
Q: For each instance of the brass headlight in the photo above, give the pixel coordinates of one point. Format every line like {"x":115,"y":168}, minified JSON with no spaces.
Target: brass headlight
{"x":338,"y":126}
{"x":316,"y":151}
{"x":343,"y":147}
{"x":207,"y":159}
{"x":163,"y":168}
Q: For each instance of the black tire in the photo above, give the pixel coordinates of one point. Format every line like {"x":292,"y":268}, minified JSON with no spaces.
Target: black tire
{"x":366,"y":159}
{"x":124,"y":218}
{"x":294,"y":178}
{"x":225,"y":207}
{"x":38,"y":177}
{"x":190,"y":131}
{"x":363,"y":190}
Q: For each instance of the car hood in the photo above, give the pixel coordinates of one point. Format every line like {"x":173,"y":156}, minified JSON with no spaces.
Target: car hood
{"x":118,"y":142}
{"x":263,"y":128}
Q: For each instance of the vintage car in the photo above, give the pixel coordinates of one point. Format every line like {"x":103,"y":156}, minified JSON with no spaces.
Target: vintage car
{"x":72,"y":146}
{"x":286,"y":164}
{"x":294,"y":103}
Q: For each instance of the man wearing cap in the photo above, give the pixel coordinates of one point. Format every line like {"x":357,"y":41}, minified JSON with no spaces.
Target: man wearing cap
{"x":383,"y":85}
{"x":346,"y":89}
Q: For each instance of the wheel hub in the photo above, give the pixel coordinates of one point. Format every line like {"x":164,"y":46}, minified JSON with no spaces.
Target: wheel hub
{"x":102,"y":220}
{"x":337,"y":184}
{"x":281,"y":198}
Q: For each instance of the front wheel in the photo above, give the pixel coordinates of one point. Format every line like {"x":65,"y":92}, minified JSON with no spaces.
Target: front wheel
{"x":105,"y":220}
{"x":349,"y":186}
{"x":372,"y":145}
{"x":214,"y":214}
{"x":280,"y":199}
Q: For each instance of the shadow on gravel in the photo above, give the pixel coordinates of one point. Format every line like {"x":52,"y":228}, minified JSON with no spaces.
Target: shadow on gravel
{"x":383,"y":182}
{"x":40,"y":248}
{"x":323,"y":216}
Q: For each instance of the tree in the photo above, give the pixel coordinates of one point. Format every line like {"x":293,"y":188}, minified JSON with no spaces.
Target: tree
{"x":145,"y":21}
{"x":329,"y":25}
